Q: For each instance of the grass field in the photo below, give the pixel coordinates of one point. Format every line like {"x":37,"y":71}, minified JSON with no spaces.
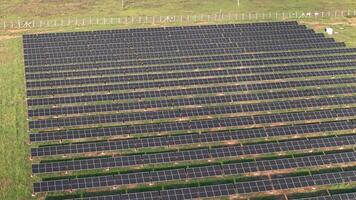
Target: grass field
{"x":15,"y":180}
{"x":12,"y":9}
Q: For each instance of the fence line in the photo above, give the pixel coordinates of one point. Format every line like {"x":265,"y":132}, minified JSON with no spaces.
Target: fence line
{"x":218,"y":17}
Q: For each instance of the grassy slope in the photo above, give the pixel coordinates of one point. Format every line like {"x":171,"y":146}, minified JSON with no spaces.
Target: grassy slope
{"x":15,"y":182}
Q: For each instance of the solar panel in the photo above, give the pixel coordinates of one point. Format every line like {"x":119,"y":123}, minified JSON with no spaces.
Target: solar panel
{"x":191,"y":125}
{"x":171,"y":106}
{"x":188,"y":155}
{"x":187,"y":101}
{"x":346,"y":196}
{"x":138,"y":116}
{"x":182,"y":92}
{"x":250,"y":187}
{"x":100,"y":70}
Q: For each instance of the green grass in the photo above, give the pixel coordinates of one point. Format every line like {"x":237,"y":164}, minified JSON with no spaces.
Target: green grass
{"x":12,"y":9}
{"x":15,"y":180}
{"x":14,"y":165}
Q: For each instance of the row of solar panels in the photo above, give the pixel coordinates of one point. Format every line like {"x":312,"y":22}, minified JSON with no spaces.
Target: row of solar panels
{"x":186,"y":50}
{"x":191,"y":112}
{"x":183,"y":139}
{"x":76,"y":66}
{"x":126,"y":42}
{"x":166,"y":103}
{"x":102,"y":56}
{"x":224,"y":76}
{"x":201,"y":172}
{"x":228,"y":65}
{"x":203,"y":84}
{"x":143,"y":45}
{"x":183,"y":92}
{"x":343,"y":196}
{"x":169,"y":36}
{"x":153,"y":31}
{"x":209,"y":192}
{"x":154,"y":39}
{"x":246,"y":40}
{"x":225,"y":152}
{"x":103,"y":163}
{"x":194,"y":124}
{"x":239,"y":187}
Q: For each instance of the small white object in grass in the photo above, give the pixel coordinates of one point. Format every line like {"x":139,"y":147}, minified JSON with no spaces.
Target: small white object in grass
{"x":329,"y":30}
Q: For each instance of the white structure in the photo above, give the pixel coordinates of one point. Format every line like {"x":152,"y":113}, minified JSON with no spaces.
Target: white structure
{"x":329,"y":31}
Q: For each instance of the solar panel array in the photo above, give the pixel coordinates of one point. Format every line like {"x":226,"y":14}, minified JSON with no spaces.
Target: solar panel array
{"x":346,"y":196}
{"x":170,"y":109}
